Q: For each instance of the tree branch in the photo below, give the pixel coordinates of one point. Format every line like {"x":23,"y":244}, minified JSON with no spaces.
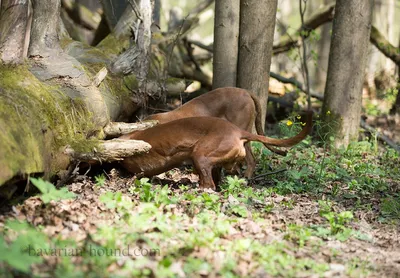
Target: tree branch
{"x":296,"y":83}
{"x":111,"y":150}
{"x":325,"y":15}
{"x":381,"y":136}
{"x":322,"y":16}
{"x":384,"y":46}
{"x":115,"y":129}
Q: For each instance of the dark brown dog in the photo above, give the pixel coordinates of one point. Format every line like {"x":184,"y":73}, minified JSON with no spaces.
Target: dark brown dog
{"x":235,"y":105}
{"x":208,"y":142}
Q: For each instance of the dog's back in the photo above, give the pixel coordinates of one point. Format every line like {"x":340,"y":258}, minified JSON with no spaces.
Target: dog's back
{"x":232,"y":104}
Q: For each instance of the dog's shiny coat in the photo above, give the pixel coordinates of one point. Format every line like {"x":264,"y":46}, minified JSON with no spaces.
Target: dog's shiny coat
{"x":208,"y":142}
{"x":235,"y":105}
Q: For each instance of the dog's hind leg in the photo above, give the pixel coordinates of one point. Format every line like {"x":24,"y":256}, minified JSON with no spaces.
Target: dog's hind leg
{"x":250,"y":161}
{"x":204,"y":169}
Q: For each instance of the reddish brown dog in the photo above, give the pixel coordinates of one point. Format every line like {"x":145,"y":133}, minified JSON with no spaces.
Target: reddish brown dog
{"x":235,"y":105}
{"x":208,"y":142}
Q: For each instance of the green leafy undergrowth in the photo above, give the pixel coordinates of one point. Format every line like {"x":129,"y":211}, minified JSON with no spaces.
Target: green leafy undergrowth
{"x":19,"y":242}
{"x":153,"y":230}
{"x":353,"y":173}
{"x":49,"y":192}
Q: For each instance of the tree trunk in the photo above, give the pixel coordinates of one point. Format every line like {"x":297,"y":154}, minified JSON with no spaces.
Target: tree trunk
{"x":226,"y":43}
{"x":13,"y":28}
{"x":321,"y":67}
{"x":62,"y":96}
{"x":44,"y":37}
{"x":157,"y":13}
{"x":396,"y":105}
{"x":257,"y":24}
{"x":347,"y":62}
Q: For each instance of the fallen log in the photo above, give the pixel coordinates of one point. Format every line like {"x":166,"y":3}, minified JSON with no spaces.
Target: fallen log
{"x":115,"y":129}
{"x":110,"y":151}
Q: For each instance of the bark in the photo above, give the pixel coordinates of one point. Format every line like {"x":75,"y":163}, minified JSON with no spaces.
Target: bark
{"x":226,"y":43}
{"x":323,"y":57}
{"x":257,"y":24}
{"x":391,"y":27}
{"x":347,"y":62}
{"x":136,"y":58}
{"x":61,"y":97}
{"x":157,"y":12}
{"x":13,"y":28}
{"x":396,"y":105}
{"x":44,"y":37}
{"x":110,"y":151}
{"x":116,"y":129}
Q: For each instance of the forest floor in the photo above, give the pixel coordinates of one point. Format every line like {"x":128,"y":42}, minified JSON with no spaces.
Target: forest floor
{"x":328,"y":214}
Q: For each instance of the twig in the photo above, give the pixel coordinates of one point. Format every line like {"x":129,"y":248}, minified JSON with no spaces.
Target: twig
{"x":381,"y":136}
{"x":269,"y":173}
{"x":296,"y":83}
{"x":189,"y":50}
{"x":209,"y":48}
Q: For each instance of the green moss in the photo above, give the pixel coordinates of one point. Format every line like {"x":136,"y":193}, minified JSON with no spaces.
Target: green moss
{"x":36,"y":120}
{"x":114,"y":45}
{"x":65,"y":41}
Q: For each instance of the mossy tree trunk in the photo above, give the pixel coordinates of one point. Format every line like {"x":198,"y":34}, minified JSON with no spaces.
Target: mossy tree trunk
{"x":62,"y":93}
{"x":347,"y":62}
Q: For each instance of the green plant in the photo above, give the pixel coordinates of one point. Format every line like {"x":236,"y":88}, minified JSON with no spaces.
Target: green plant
{"x":239,"y":210}
{"x":390,"y":207}
{"x":149,"y":193}
{"x":207,"y":200}
{"x":50,"y":192}
{"x":100,"y":180}
{"x":24,"y":247}
{"x":144,"y":188}
{"x":116,"y":200}
{"x":298,"y":234}
{"x":233,"y":185}
{"x":337,"y":222}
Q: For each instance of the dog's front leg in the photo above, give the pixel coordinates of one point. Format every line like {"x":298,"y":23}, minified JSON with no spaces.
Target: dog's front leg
{"x":204,"y":169}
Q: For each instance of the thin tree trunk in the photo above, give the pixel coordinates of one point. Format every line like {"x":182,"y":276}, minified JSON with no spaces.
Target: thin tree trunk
{"x":321,"y":68}
{"x":257,"y":24}
{"x":226,"y":43}
{"x":391,"y":7}
{"x":157,"y":12}
{"x":13,"y":28}
{"x":396,"y":105}
{"x":347,"y":62}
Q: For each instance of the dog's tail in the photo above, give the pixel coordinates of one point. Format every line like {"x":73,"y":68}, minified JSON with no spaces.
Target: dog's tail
{"x":288,"y":142}
{"x":258,"y":124}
